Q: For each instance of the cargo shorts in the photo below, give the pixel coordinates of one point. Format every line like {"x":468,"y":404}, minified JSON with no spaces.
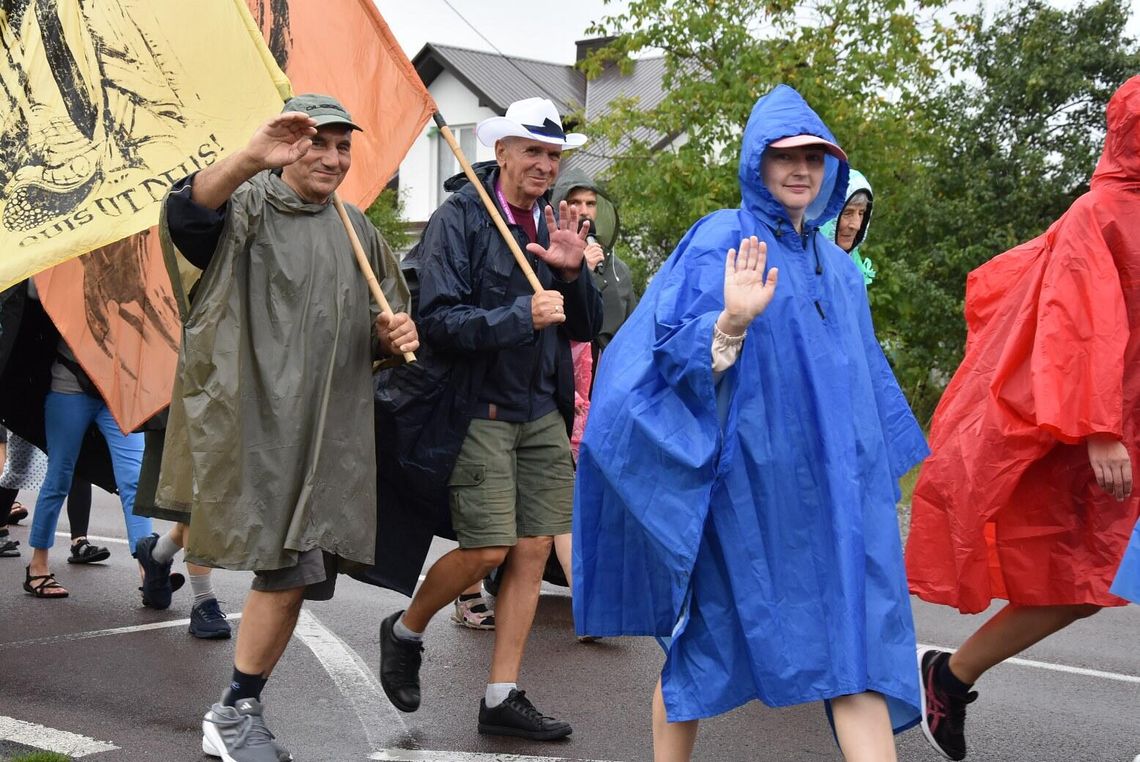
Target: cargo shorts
{"x":512,"y":480}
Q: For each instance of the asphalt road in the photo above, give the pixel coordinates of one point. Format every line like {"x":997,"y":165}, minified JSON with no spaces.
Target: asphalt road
{"x":103,"y":677}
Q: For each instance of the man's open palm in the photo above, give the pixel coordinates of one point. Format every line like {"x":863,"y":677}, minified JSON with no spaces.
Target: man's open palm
{"x":567,"y":242}
{"x":283,"y":139}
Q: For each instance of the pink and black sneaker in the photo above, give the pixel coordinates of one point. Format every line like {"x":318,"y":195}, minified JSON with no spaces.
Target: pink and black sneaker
{"x":943,"y":710}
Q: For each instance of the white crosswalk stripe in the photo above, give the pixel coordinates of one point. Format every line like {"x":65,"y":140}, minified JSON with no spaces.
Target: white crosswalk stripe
{"x":50,"y":739}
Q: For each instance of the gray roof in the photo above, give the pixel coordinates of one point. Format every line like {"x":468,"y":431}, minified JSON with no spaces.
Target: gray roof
{"x":499,"y":80}
{"x":643,"y":82}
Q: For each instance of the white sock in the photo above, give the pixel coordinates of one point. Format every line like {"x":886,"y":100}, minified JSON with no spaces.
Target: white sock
{"x":202,"y":586}
{"x":403,"y":632}
{"x":497,"y":693}
{"x":164,"y":549}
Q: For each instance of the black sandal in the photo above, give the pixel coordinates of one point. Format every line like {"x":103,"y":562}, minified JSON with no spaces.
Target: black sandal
{"x":39,"y":585}
{"x":9,"y":548}
{"x":84,"y":552}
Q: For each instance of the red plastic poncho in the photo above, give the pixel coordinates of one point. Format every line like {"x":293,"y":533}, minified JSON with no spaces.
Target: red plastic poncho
{"x":1007,"y":505}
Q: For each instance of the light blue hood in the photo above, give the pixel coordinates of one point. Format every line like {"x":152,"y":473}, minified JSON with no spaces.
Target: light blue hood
{"x":856,"y":182}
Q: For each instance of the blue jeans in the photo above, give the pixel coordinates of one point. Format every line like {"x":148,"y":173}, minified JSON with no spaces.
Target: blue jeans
{"x":66,"y":418}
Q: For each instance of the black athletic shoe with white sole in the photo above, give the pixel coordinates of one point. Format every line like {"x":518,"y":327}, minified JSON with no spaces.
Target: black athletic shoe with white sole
{"x":943,"y":710}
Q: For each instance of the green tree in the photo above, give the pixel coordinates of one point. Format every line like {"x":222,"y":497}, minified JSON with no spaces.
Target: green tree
{"x":975,"y":135}
{"x":387,"y":214}
{"x":1020,"y":135}
{"x":861,"y":64}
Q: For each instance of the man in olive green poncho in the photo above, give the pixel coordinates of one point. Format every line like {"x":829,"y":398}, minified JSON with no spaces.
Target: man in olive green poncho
{"x":271,"y":440}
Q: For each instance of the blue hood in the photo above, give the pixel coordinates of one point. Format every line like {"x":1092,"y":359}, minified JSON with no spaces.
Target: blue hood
{"x":780,"y":114}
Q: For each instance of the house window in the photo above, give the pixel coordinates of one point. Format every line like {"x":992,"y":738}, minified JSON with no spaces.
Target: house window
{"x":446,"y":164}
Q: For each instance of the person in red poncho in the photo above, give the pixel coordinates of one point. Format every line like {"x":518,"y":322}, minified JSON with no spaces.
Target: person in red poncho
{"x":1028,"y":495}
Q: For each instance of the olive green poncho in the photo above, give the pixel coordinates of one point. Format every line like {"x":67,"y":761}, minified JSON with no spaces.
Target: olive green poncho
{"x":270,"y":444}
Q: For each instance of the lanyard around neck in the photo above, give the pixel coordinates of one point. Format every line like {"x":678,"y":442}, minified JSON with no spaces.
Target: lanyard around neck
{"x":507,"y":207}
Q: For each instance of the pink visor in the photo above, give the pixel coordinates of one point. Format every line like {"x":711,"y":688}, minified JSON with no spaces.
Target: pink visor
{"x":800,"y":141}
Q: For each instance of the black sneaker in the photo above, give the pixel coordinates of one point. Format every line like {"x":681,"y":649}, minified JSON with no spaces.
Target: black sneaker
{"x":83,"y":552}
{"x":516,"y":716}
{"x":400,"y":666}
{"x":207,"y":620}
{"x":156,"y":587}
{"x":943,"y":711}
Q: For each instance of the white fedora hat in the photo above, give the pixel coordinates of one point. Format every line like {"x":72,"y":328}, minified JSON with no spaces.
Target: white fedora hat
{"x":531,"y":118}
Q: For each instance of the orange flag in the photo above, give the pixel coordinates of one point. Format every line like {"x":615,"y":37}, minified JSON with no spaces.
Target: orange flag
{"x":344,"y":49}
{"x":115,"y":309}
{"x":115,"y":306}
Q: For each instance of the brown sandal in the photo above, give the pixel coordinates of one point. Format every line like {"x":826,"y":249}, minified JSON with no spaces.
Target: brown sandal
{"x":43,"y":585}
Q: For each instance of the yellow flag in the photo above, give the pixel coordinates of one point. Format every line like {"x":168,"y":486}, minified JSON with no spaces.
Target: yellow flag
{"x":105,"y":104}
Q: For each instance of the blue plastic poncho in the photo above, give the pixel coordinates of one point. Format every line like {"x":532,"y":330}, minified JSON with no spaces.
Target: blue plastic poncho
{"x":1127,"y":582}
{"x":752,"y":518}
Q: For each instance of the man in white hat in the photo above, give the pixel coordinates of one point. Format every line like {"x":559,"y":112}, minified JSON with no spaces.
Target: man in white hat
{"x":503,"y":449}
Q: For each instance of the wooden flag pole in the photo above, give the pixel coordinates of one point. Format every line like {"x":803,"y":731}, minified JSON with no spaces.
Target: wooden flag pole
{"x":365,"y":266}
{"x":493,"y":210}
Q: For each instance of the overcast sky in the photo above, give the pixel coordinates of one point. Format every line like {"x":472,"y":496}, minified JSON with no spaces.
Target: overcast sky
{"x":539,"y":29}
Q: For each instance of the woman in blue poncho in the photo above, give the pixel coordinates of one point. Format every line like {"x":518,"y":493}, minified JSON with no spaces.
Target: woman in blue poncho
{"x":738,"y":477}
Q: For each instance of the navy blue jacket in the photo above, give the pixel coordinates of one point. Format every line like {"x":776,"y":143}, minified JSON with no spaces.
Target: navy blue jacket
{"x":471,"y":304}
{"x":475,"y":304}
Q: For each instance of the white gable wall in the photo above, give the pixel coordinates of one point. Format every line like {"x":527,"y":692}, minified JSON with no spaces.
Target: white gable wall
{"x":419,"y":179}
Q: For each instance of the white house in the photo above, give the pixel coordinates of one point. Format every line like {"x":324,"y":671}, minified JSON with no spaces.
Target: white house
{"x":469,"y":86}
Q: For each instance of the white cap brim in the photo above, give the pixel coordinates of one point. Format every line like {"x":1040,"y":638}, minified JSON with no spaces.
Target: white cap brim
{"x":492,"y":130}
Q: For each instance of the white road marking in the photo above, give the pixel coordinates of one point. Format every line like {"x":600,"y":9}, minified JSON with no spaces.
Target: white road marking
{"x":103,"y":633}
{"x":408,"y":755}
{"x":96,"y":538}
{"x":50,"y":739}
{"x":1083,"y":671}
{"x":355,"y":680}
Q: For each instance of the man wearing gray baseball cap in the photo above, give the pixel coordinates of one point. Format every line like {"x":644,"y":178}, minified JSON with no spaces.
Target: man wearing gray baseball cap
{"x":270,"y":451}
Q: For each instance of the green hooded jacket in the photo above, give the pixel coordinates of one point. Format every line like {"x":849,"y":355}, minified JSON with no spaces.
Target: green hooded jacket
{"x":270,"y":448}
{"x":612,"y":277}
{"x":857,"y":182}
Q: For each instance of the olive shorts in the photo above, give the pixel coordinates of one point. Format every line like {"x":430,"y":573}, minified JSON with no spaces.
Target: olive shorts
{"x":512,"y":480}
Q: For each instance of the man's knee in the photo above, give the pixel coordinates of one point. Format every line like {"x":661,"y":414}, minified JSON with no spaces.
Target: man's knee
{"x":286,"y":601}
{"x":487,"y":558}
{"x":533,"y":549}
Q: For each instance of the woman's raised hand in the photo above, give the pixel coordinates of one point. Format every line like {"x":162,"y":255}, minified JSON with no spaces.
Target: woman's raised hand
{"x":747,"y":292}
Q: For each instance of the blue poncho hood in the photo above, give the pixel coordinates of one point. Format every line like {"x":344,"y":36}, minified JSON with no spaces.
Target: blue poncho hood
{"x":751,"y":517}
{"x":780,"y":114}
